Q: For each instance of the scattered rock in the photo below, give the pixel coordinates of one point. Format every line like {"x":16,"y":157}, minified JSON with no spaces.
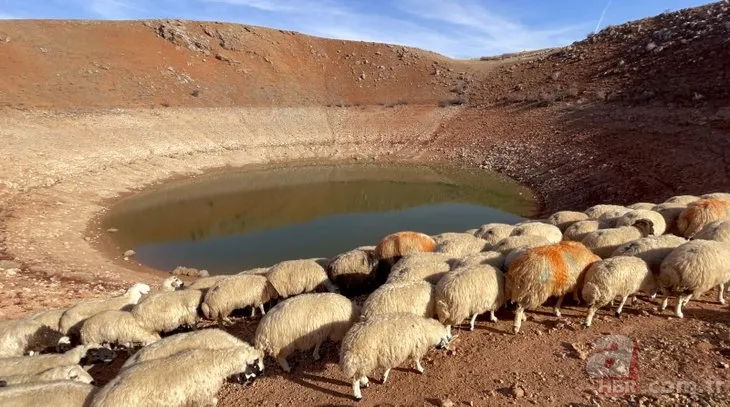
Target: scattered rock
{"x":112,"y":230}
{"x":516,"y":391}
{"x":129,"y":253}
{"x":724,"y":365}
{"x":9,"y":265}
{"x":189,"y":271}
{"x":447,"y":403}
{"x":12,"y":272}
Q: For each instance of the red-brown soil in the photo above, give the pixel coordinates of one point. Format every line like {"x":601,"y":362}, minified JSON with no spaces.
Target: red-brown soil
{"x":93,"y":110}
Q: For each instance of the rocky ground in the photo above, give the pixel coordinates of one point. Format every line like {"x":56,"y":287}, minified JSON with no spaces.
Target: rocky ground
{"x":90,"y":111}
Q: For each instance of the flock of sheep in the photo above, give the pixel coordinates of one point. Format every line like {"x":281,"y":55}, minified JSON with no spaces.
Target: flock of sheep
{"x":417,"y":288}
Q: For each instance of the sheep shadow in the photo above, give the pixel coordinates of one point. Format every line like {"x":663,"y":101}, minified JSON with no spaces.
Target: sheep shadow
{"x":313,"y":382}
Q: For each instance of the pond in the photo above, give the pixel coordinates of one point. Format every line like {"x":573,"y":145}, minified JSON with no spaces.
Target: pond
{"x":230,"y":221}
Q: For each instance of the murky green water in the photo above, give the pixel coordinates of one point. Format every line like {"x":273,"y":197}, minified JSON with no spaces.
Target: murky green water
{"x":228,"y":222}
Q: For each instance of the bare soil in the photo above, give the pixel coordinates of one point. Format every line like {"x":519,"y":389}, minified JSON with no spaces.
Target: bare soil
{"x":91,"y":111}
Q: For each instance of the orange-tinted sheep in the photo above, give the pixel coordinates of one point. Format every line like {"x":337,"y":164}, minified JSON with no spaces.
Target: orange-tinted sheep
{"x":700,"y":213}
{"x":397,"y":245}
{"x":544,"y":272}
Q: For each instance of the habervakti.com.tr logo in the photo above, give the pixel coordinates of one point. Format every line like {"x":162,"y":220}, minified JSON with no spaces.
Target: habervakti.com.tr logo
{"x":614,"y":361}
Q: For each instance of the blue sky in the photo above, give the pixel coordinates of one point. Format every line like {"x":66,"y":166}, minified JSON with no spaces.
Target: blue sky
{"x":456,"y":28}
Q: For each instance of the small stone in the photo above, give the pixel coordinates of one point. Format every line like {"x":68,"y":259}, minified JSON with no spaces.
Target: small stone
{"x":12,"y":272}
{"x":129,"y":253}
{"x":724,"y":365}
{"x":650,"y":46}
{"x":112,"y":230}
{"x":447,"y":403}
{"x":517,"y":391}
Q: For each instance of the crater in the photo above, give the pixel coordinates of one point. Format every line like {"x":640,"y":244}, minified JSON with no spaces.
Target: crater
{"x":233,"y":220}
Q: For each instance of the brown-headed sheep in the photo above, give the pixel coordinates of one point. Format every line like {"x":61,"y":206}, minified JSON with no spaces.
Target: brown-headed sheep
{"x":700,"y":213}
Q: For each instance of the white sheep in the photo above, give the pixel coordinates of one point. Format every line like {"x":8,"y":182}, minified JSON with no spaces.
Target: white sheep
{"x":83,"y":354}
{"x":642,"y":206}
{"x":204,"y":283}
{"x":651,"y":249}
{"x":72,"y":319}
{"x":718,"y":231}
{"x":261,"y":271}
{"x":421,"y":266}
{"x":717,"y":195}
{"x":458,"y":244}
{"x":294,"y":277}
{"x":211,"y":338}
{"x":505,"y":246}
{"x":603,"y":242}
{"x":416,"y":297}
{"x":550,"y":232}
{"x":74,"y":373}
{"x":467,"y":292}
{"x":563,"y":219}
{"x":167,"y":311}
{"x":303,"y":322}
{"x":19,"y":337}
{"x":118,"y":328}
{"x":694,"y":268}
{"x":544,"y":272}
{"x":670,"y":212}
{"x":189,"y":378}
{"x":471,"y":231}
{"x":606,"y":212}
{"x":616,"y":276}
{"x":682,"y":199}
{"x":656,"y":219}
{"x":236,"y":292}
{"x":700,"y":213}
{"x":355,"y":271}
{"x":492,"y":258}
{"x":494,"y":232}
{"x":578,"y":230}
{"x":387,"y":341}
{"x":171,"y":283}
{"x":61,"y":393}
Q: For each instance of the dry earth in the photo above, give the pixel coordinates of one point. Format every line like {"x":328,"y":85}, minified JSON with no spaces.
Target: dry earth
{"x":90,"y":111}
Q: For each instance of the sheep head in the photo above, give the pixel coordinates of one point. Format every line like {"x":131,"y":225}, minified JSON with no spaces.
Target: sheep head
{"x":645,"y":226}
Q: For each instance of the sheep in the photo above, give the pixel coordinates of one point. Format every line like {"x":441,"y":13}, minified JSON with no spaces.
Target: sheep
{"x":700,"y":213}
{"x":355,"y":272}
{"x":656,"y":219}
{"x":692,"y":269}
{"x":493,"y":233}
{"x":578,"y":230}
{"x":616,"y":276}
{"x":116,"y":327}
{"x":458,"y":244}
{"x":237,"y":292}
{"x":651,"y":249}
{"x":396,"y":245}
{"x":303,"y":322}
{"x":18,"y":337}
{"x":603,"y":242}
{"x":682,"y":199}
{"x":471,"y":231}
{"x":546,"y":271}
{"x":74,"y":373}
{"x":421,"y":266}
{"x":416,"y":297}
{"x":467,"y":292}
{"x":167,"y":311}
{"x":492,"y":258}
{"x":724,"y":196}
{"x":294,"y":277}
{"x":718,"y":231}
{"x":642,"y":206}
{"x":387,"y":341}
{"x":606,"y":212}
{"x":211,"y":338}
{"x":61,"y":393}
{"x":550,"y":232}
{"x":563,"y":219}
{"x":171,"y":283}
{"x":189,"y":378}
{"x":262,"y":271}
{"x":72,"y":319}
{"x":82,"y":354}
{"x":204,"y":283}
{"x":51,"y":318}
{"x":516,"y":242}
{"x":670,"y":212}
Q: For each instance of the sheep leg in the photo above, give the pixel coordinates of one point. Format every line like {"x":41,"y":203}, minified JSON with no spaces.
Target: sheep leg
{"x":315,"y":354}
{"x":665,"y":302}
{"x":720,"y":296}
{"x":492,"y":317}
{"x":589,"y":318}
{"x":686,"y":299}
{"x":253,"y":312}
{"x":364,"y":382}
{"x":385,"y":375}
{"x":557,"y":306}
{"x":263,"y":311}
{"x":356,"y":389}
{"x":621,"y":306}
{"x":471,"y":323}
{"x":576,"y":296}
{"x":448,"y":330}
{"x":418,"y":366}
{"x":678,"y":308}
{"x":519,"y":314}
{"x":284,"y":364}
{"x":633,"y":299}
{"x":654,"y":293}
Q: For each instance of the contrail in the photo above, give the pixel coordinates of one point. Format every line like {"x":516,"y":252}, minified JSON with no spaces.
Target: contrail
{"x":603,"y":14}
